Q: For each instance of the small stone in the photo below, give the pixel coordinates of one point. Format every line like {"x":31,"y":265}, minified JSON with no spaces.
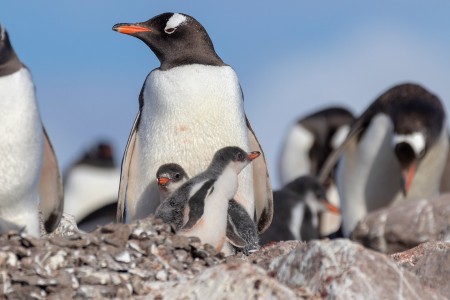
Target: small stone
{"x":123,"y":257}
{"x":161,"y":275}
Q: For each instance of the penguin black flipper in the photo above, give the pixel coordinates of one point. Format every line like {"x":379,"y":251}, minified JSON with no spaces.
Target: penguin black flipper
{"x":241,"y":230}
{"x":358,"y":128}
{"x":127,"y":172}
{"x":196,"y":204}
{"x":261,"y":184}
{"x":50,"y":188}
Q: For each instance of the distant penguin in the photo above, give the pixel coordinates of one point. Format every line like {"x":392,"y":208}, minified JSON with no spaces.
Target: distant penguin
{"x":91,"y":187}
{"x":200,"y":206}
{"x":307,"y":145}
{"x":445,"y":180}
{"x":29,"y":172}
{"x":310,"y":140}
{"x":297,"y":207}
{"x":241,"y":230}
{"x":189,"y":107}
{"x":396,"y":150}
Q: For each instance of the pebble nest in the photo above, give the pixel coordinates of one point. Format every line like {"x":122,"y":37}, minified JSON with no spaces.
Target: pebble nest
{"x":115,"y":261}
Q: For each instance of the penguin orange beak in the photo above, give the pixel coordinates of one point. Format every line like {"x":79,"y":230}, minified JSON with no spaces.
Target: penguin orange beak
{"x":130,"y":28}
{"x":331,"y":207}
{"x":163,"y":181}
{"x":253,"y":155}
{"x":407,"y":178}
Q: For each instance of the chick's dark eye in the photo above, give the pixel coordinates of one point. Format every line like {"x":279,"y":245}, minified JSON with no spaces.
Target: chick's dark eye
{"x":239,"y":156}
{"x":177,"y":175}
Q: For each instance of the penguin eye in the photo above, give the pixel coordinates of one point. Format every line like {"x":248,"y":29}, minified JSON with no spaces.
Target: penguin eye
{"x":239,"y":156}
{"x":177,"y":175}
{"x":169,"y":30}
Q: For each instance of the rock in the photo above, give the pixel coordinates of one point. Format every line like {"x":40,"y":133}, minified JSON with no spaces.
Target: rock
{"x":405,"y":225}
{"x":431,"y":264}
{"x":240,"y":281}
{"x":341,"y":269}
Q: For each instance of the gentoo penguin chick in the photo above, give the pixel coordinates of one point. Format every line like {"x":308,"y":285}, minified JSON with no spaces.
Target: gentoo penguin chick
{"x":29,"y":172}
{"x":310,"y":141}
{"x":297,"y":207}
{"x":241,"y":230}
{"x":200,"y":206}
{"x":90,"y":185}
{"x":396,"y":150}
{"x":197,"y":98}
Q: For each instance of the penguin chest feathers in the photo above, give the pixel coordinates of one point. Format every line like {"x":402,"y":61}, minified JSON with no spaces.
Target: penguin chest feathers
{"x":189,"y":112}
{"x":21,"y":137}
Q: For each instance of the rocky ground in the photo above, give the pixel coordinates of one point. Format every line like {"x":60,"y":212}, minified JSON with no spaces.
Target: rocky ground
{"x":145,"y":260}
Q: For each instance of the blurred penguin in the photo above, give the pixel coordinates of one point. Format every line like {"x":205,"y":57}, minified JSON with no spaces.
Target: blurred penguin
{"x":91,"y":185}
{"x":29,"y":173}
{"x":307,"y":145}
{"x":297,"y":207}
{"x":396,"y":150}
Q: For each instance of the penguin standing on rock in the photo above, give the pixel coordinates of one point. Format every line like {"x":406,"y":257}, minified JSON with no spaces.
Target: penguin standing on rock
{"x":241,"y":230}
{"x":29,"y":172}
{"x":396,"y":150}
{"x":297,"y":207}
{"x":200,"y":206}
{"x":189,"y":107}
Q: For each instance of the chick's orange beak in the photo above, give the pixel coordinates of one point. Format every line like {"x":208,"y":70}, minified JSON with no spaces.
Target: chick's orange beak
{"x":130,"y":28}
{"x":253,"y":155}
{"x":163,"y":181}
{"x":331,"y":207}
{"x":407,"y":178}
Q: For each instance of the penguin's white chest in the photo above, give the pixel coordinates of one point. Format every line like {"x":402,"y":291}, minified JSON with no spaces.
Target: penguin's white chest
{"x":21,"y":146}
{"x":189,"y":113}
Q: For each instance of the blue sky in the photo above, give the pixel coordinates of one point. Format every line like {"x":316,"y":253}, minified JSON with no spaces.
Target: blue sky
{"x":292,"y":57}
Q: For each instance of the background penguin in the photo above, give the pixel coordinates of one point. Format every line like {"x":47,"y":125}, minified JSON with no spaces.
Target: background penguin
{"x":307,"y":145}
{"x":200,"y":206}
{"x":396,"y":150}
{"x":189,"y":107}
{"x":29,"y":172}
{"x":241,"y":230}
{"x":91,"y":187}
{"x":297,"y":207}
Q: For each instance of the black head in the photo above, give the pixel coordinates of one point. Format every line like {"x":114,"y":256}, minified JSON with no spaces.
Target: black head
{"x":418,"y":117}
{"x":9,"y":62}
{"x":100,"y":155}
{"x":227,"y":155}
{"x":305,"y":184}
{"x":170,"y":173}
{"x":176,"y":39}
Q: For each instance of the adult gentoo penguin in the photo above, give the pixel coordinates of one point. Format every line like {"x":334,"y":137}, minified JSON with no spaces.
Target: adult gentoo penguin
{"x":189,"y":107}
{"x":310,"y":140}
{"x":297,"y":207}
{"x":29,"y":172}
{"x":200,"y":206}
{"x":241,"y":230}
{"x":90,"y":187}
{"x":396,"y":150}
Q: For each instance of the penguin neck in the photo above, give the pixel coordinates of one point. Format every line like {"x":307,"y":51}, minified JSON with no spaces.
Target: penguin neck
{"x":9,"y":62}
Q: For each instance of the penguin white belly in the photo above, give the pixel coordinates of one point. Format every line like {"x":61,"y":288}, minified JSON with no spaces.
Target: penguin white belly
{"x":21,"y":151}
{"x":211,"y":228}
{"x":90,"y":188}
{"x":294,"y":159}
{"x":189,"y":113}
{"x":368,"y":174}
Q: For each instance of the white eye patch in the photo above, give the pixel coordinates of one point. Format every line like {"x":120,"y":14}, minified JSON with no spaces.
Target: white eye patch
{"x":416,"y":140}
{"x":174,"y":21}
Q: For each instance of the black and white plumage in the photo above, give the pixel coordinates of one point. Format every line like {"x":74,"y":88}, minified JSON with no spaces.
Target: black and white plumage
{"x":29,"y":172}
{"x":396,"y":150}
{"x":241,"y":230}
{"x":310,"y":141}
{"x":189,"y":107}
{"x":200,"y":206}
{"x":297,"y":207}
{"x":90,"y":186}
